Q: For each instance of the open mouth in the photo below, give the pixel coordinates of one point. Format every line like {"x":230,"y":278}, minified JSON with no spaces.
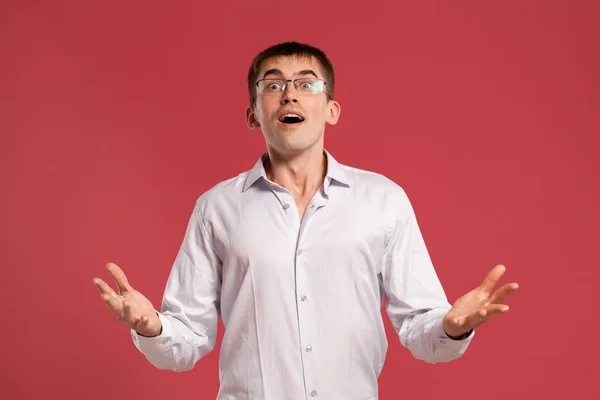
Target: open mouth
{"x":291,"y":119}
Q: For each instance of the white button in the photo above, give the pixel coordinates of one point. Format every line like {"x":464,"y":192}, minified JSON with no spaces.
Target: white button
{"x":312,"y":207}
{"x":303,"y":298}
{"x":286,"y":206}
{"x":298,"y":252}
{"x":313,"y":393}
{"x":308,"y":348}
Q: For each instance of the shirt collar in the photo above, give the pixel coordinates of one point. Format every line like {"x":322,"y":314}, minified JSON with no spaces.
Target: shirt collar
{"x":334,"y":172}
{"x":257,"y":172}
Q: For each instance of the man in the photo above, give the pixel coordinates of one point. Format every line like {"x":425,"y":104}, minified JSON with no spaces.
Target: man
{"x":297,"y":255}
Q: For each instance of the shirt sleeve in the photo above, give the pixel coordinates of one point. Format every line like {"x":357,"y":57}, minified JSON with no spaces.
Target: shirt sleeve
{"x":416,"y":302}
{"x":190,"y":307}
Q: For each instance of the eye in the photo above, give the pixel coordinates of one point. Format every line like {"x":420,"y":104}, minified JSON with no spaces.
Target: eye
{"x":273,"y":85}
{"x":306,"y":85}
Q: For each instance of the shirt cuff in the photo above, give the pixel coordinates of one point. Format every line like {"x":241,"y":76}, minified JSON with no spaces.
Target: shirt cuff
{"x":447,"y":345}
{"x":441,"y":333}
{"x":460,"y":337}
{"x":161,"y":341}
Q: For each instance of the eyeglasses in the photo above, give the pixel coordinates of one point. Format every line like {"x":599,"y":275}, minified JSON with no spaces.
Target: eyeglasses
{"x":308,"y":86}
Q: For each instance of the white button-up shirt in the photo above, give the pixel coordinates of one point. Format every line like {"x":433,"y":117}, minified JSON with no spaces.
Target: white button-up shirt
{"x":301,"y":300}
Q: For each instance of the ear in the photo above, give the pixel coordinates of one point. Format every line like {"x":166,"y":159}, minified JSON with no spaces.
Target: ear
{"x":334,"y":112}
{"x":251,"y":120}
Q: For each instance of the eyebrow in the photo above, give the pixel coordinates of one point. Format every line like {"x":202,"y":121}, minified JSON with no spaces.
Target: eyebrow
{"x":304,"y":72}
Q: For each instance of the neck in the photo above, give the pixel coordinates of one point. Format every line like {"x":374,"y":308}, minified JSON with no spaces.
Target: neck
{"x":302,"y":174}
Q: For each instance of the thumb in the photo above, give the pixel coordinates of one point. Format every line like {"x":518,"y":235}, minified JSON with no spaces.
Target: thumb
{"x":148,"y":326}
{"x":119,"y":277}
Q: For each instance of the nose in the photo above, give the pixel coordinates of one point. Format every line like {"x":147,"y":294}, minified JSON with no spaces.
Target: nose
{"x":290,"y":94}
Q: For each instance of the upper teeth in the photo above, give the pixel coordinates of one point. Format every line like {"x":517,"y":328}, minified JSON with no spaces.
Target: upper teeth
{"x":291,"y":115}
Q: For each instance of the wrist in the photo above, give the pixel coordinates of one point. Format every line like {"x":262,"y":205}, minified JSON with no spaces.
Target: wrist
{"x":153,"y":329}
{"x":454,"y":331}
{"x":462,"y":336}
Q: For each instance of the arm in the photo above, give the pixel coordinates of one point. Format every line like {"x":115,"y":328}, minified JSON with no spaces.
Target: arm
{"x":190,"y":306}
{"x":416,"y":302}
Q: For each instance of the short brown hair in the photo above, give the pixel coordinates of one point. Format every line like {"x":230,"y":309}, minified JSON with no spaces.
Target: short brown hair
{"x":291,"y":49}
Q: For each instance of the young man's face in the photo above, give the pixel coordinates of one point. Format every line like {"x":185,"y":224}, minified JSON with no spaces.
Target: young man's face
{"x":291,"y":136}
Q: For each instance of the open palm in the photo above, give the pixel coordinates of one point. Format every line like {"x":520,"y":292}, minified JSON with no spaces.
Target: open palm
{"x":129,"y":305}
{"x":479,"y":305}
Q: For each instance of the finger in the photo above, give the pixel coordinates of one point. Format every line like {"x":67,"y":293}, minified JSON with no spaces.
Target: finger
{"x":119,"y":277}
{"x":483,"y":315}
{"x":102,"y":286}
{"x":456,"y":325}
{"x":142,"y":324}
{"x":113,"y":303}
{"x":473,"y":320}
{"x":460,"y":321}
{"x":129,"y":315}
{"x":468,"y":322}
{"x":501,"y":294}
{"x":492,"y":278}
{"x":494,"y":310}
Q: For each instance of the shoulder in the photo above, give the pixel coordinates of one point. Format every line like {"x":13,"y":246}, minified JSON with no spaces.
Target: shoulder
{"x":374,"y":184}
{"x":375,"y":191}
{"x":221,"y":197}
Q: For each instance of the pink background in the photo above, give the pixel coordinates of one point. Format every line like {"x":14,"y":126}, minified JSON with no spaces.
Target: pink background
{"x":116,"y":115}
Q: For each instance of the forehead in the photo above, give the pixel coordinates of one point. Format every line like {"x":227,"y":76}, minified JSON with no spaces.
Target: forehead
{"x":290,"y":66}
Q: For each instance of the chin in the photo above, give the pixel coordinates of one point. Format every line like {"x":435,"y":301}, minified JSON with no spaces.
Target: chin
{"x":291,"y":141}
{"x":295,"y":147}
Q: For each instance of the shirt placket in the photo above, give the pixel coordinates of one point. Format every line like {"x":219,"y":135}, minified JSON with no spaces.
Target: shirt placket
{"x":305,"y":307}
